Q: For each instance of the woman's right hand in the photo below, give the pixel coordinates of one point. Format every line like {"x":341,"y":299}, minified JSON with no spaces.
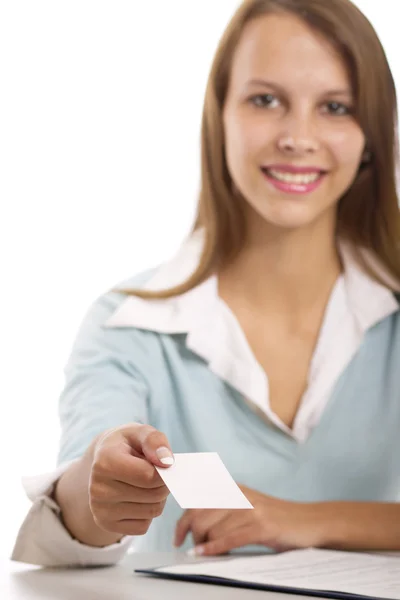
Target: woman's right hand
{"x":125,"y":491}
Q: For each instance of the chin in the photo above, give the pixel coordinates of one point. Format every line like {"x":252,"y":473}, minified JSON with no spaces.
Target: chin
{"x":289,"y":220}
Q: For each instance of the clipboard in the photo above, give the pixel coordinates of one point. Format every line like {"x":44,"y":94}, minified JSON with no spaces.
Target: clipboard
{"x":208,"y":579}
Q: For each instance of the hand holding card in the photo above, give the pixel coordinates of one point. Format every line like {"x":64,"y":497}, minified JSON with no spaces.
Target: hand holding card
{"x":201,"y":480}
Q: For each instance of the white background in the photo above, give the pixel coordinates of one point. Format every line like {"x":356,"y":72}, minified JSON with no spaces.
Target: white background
{"x":100,"y":109}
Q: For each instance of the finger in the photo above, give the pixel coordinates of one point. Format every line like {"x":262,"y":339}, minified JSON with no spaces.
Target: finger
{"x":232,"y":520}
{"x":116,"y":464}
{"x":240,"y":537}
{"x":199,"y":523}
{"x":203,"y":525}
{"x":153,"y":444}
{"x":183,"y":527}
{"x":128,"y":511}
{"x":135,"y":472}
{"x":105,"y":492}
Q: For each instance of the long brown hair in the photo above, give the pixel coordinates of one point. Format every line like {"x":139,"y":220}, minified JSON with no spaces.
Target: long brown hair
{"x":368,"y":213}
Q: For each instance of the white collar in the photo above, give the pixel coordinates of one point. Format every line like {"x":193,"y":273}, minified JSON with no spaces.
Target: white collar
{"x":214,"y":334}
{"x":369,"y":300}
{"x":172,"y":315}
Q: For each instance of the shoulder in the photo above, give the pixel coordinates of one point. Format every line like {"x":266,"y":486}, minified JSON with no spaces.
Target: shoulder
{"x":136,"y":281}
{"x":107,"y":303}
{"x":93,"y":332}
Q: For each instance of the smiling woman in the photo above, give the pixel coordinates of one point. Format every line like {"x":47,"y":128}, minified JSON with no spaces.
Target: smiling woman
{"x":272,"y":338}
{"x":328,"y":89}
{"x":297,"y":122}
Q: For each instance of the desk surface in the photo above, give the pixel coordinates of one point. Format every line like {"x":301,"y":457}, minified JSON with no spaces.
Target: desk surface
{"x":24,"y":582}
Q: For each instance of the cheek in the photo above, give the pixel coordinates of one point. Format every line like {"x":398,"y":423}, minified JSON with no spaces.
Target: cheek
{"x":245,"y":140}
{"x":346,"y":147}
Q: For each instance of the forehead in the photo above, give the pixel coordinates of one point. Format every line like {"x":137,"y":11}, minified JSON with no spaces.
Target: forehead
{"x":286,"y":49}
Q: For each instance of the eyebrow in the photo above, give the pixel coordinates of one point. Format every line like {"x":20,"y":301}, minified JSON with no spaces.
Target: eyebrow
{"x":270,"y":84}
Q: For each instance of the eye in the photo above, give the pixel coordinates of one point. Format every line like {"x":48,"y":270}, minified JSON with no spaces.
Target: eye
{"x":262,"y":100}
{"x":339,"y":109}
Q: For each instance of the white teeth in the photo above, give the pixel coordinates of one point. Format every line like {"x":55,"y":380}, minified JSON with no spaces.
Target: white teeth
{"x":298,"y":178}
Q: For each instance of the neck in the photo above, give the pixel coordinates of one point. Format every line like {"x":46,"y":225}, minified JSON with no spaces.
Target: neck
{"x":285,"y":271}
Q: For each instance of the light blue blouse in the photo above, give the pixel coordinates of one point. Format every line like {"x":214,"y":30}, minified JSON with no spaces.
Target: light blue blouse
{"x":122,"y":374}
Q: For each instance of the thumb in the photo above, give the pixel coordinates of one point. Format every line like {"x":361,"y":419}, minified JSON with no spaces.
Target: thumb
{"x":153,"y":444}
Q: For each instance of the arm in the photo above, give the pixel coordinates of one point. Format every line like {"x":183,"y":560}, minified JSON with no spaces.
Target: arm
{"x":284,"y":525}
{"x":360,"y":525}
{"x":71,"y":495}
{"x":104,"y":389}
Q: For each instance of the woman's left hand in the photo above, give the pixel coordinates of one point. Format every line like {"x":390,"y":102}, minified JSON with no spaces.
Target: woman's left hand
{"x":277,"y":524}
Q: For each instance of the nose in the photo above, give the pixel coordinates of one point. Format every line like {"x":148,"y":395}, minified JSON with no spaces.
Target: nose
{"x":298,"y":146}
{"x":298,"y":139}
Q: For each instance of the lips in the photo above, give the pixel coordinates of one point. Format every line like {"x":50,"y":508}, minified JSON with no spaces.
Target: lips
{"x":294,"y":183}
{"x":294,"y":170}
{"x":302,"y":178}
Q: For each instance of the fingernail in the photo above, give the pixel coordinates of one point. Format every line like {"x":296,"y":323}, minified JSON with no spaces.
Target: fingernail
{"x":197,"y":551}
{"x":165,"y":455}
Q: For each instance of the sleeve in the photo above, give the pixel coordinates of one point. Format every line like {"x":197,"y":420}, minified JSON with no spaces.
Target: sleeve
{"x":104,"y":388}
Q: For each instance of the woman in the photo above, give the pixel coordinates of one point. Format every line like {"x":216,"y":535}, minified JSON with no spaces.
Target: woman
{"x":272,"y":338}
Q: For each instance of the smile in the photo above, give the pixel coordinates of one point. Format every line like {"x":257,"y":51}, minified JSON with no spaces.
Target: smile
{"x":298,"y":183}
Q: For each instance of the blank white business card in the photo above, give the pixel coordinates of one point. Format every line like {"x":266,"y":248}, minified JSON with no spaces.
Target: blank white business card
{"x":201,"y":480}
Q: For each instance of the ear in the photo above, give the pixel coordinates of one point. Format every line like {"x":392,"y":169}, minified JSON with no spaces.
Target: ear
{"x":366,"y":157}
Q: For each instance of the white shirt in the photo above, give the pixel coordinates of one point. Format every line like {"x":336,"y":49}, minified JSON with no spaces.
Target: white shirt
{"x":357,"y":303}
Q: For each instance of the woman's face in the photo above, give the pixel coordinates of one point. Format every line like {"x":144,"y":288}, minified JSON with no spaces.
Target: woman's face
{"x":290,"y":106}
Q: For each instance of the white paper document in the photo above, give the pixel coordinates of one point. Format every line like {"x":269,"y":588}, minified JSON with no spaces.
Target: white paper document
{"x":375,"y":576}
{"x":201,"y":480}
